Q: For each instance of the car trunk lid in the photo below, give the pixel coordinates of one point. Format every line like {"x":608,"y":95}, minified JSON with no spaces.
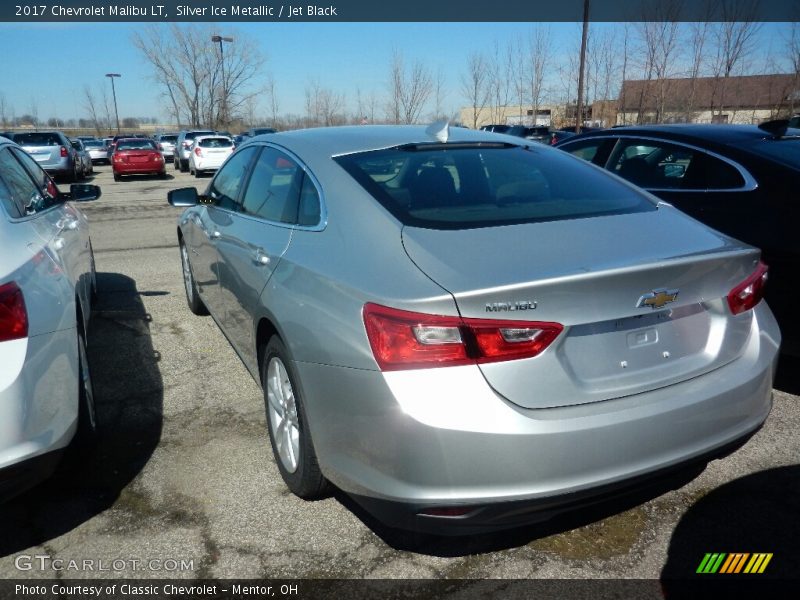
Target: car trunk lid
{"x":642,"y":298}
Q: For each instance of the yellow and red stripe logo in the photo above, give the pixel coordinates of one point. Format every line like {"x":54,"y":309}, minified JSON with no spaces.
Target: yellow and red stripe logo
{"x":737,"y":562}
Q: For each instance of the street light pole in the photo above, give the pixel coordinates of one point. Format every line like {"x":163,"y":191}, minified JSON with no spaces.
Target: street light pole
{"x":218,"y":39}
{"x":114,"y":92}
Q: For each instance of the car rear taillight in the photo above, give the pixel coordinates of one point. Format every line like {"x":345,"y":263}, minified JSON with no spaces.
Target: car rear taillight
{"x":750,"y":292}
{"x":64,"y":152}
{"x":198,"y":152}
{"x":408,"y":340}
{"x":13,"y":315}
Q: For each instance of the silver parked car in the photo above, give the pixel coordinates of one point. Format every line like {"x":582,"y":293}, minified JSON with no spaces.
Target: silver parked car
{"x":465,"y":330}
{"x":98,"y":151}
{"x":53,"y":151}
{"x":87,"y":166}
{"x":47,"y":279}
{"x":166,"y":143}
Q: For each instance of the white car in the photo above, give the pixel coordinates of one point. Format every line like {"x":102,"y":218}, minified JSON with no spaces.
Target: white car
{"x":208,"y":152}
{"x":47,"y":279}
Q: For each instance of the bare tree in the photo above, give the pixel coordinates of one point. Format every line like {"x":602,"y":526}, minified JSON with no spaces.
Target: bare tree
{"x":323,"y":105}
{"x":439,"y":94}
{"x":660,"y":41}
{"x":733,"y":41}
{"x":793,"y":54}
{"x":188,"y":68}
{"x":272,"y":98}
{"x":539,"y":51}
{"x":410,"y":89}
{"x":499,"y":81}
{"x":474,"y":85}
{"x":4,"y":111}
{"x":90,"y":104}
{"x":697,"y":46}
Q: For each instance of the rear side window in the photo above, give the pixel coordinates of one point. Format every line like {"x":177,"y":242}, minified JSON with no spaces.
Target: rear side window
{"x":661,"y":165}
{"x":460,"y":186}
{"x":274,"y":189}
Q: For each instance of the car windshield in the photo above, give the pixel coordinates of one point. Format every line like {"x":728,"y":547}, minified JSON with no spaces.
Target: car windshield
{"x":216,"y":143}
{"x":459,"y":186}
{"x":76,"y":144}
{"x":168,"y":138}
{"x":785,"y":151}
{"x":93,"y":144}
{"x":37,"y":139}
{"x":136,"y":145}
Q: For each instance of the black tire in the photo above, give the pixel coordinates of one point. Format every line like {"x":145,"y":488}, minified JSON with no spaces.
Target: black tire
{"x":196,"y":174}
{"x":88,"y":426}
{"x":190,"y":287}
{"x":304,"y":478}
{"x":117,"y":177}
{"x":184,"y":165}
{"x":175,"y":164}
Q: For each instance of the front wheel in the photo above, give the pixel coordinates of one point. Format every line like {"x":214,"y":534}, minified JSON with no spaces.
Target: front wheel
{"x":288,"y":425}
{"x":192,"y":297}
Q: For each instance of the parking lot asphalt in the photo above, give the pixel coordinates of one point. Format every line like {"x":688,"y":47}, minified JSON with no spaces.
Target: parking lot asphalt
{"x":184,"y":476}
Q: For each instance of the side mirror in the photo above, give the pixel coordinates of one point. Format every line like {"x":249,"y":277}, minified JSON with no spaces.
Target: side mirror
{"x":83,"y":192}
{"x":183,"y":197}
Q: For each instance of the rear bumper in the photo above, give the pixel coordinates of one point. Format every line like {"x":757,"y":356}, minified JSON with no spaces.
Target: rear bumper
{"x":139,"y":169}
{"x":444,"y":437}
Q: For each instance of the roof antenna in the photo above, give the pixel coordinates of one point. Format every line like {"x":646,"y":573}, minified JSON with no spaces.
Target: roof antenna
{"x":775,"y":128}
{"x":439,"y":129}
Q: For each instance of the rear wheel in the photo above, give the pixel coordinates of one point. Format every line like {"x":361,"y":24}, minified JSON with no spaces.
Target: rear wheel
{"x":87,"y":411}
{"x":192,"y":297}
{"x":117,"y":177}
{"x":288,"y":425}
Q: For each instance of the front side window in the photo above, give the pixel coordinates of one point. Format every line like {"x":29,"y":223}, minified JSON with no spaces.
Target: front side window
{"x":224,"y":188}
{"x":43,"y":181}
{"x":274,"y":188}
{"x":456,"y":186}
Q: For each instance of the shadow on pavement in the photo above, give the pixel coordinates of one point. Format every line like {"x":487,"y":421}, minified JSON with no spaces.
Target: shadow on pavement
{"x":463,"y":545}
{"x":754,"y":514}
{"x":129,"y":394}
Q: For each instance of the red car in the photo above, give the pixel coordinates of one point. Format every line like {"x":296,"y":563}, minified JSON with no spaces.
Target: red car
{"x":137,"y":156}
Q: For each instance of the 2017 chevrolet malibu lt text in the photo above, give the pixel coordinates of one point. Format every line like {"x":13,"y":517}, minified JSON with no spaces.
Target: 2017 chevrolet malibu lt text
{"x":465,"y":330}
{"x":46,"y":282}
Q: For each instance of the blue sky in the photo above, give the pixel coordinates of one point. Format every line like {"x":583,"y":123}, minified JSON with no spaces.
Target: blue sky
{"x":49,"y":63}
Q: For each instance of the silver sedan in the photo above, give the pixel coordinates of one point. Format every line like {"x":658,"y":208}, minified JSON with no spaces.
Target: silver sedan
{"x":466,"y":330}
{"x":46,"y":282}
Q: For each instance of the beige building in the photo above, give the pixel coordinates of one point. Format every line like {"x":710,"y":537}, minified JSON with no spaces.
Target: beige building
{"x":745,"y":99}
{"x":601,"y":113}
{"x":477,"y":117}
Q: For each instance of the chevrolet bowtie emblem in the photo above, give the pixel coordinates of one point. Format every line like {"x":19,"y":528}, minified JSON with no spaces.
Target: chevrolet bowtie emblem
{"x":657,"y":298}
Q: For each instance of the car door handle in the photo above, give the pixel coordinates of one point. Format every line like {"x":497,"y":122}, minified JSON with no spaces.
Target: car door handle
{"x":260,"y":257}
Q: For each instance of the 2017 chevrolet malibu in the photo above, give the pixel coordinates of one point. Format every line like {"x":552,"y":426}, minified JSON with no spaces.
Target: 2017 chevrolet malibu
{"x":465,"y":330}
{"x":46,"y":282}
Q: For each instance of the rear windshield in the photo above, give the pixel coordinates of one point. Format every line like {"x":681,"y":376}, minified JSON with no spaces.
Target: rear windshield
{"x":454,"y":186}
{"x":136,"y":145}
{"x":216,"y":143}
{"x":168,"y":138}
{"x":37,"y":139}
{"x":193,"y":134}
{"x":785,"y":151}
{"x":94,"y":144}
{"x":263,"y":130}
